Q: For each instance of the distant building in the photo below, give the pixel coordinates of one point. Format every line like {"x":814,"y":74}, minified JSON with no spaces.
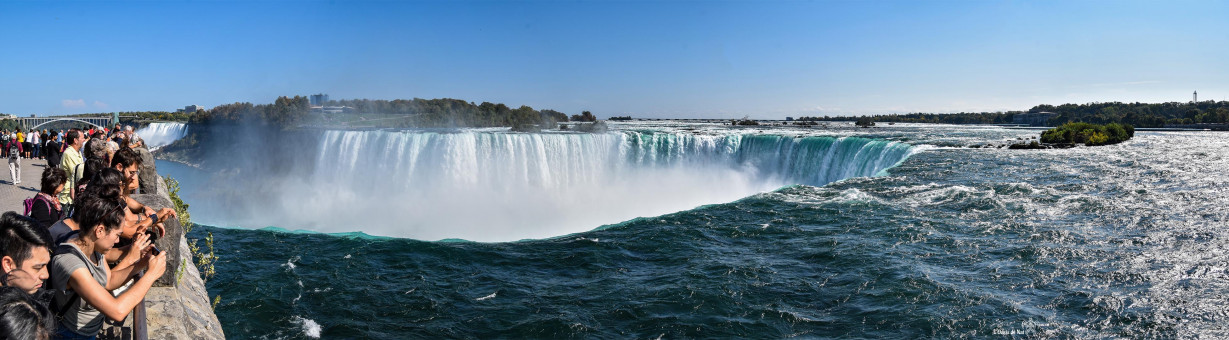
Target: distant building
{"x":1195,"y":97}
{"x":789,"y":119}
{"x":319,"y":99}
{"x":1033,"y":119}
{"x":190,"y":109}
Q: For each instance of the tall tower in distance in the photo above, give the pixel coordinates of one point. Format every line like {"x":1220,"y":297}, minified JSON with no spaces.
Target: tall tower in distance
{"x":1195,"y":97}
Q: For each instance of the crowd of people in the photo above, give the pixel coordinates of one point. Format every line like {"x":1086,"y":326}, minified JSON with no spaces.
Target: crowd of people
{"x":83,"y":250}
{"x":49,"y":145}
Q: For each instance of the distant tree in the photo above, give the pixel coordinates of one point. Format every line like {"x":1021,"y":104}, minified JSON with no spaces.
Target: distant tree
{"x":584,"y":116}
{"x":551,"y":117}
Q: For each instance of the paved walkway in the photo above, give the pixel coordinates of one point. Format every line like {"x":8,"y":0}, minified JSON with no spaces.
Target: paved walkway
{"x":11,"y":196}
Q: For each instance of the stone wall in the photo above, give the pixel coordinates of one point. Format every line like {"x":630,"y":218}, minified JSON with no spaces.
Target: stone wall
{"x":178,"y":306}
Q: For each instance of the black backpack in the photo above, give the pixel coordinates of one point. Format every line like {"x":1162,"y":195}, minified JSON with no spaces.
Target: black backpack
{"x":60,"y":309}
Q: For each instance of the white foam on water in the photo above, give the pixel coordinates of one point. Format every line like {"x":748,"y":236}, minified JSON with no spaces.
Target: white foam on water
{"x":486,"y":297}
{"x":290,"y":263}
{"x":309,"y":326}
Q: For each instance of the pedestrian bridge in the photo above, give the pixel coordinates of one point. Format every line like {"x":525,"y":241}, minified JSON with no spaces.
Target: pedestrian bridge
{"x":32,"y":123}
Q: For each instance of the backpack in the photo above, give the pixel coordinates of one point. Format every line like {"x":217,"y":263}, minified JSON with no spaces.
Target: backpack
{"x":29,"y":203}
{"x":58,"y":310}
{"x":13,"y":152}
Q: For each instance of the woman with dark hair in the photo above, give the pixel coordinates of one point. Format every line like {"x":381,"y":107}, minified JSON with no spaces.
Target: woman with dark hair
{"x":21,"y":316}
{"x":106,"y":185}
{"x":111,"y":183}
{"x":91,"y":169}
{"x":45,"y":207}
{"x":81,"y":278}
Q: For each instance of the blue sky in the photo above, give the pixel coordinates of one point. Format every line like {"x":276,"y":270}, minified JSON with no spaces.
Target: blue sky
{"x":765,"y":59}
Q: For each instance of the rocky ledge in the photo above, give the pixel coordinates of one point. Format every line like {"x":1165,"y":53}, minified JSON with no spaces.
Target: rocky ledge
{"x":177,"y":307}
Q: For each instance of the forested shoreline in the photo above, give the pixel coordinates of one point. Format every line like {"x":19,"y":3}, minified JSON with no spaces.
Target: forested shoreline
{"x":1149,"y":115}
{"x":289,"y":112}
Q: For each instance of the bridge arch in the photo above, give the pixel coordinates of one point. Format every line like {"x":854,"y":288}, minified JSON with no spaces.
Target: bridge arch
{"x":45,"y":122}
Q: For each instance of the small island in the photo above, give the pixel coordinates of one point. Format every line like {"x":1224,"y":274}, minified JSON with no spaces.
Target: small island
{"x":1089,"y":134}
{"x":1072,"y":134}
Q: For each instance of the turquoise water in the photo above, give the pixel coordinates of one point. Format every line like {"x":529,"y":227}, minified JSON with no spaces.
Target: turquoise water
{"x":1115,"y":241}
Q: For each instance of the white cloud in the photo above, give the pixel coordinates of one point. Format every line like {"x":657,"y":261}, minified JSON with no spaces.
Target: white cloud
{"x":100,"y":105}
{"x":73,"y":103}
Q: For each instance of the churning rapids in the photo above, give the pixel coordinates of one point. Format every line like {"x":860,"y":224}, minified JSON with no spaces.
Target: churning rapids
{"x":893,"y":232}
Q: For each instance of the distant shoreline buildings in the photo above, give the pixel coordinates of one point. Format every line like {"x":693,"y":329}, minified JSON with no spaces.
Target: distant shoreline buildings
{"x":318,"y":101}
{"x":190,"y":109}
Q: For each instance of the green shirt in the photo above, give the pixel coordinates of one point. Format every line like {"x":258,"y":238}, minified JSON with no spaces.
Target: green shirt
{"x":73,"y":165}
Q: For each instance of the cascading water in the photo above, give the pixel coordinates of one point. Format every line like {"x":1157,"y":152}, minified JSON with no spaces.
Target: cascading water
{"x":157,"y":135}
{"x":494,"y":186}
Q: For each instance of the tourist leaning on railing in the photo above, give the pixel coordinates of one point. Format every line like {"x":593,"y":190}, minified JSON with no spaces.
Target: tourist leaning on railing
{"x":107,"y":185}
{"x":128,"y":163}
{"x":82,"y":279}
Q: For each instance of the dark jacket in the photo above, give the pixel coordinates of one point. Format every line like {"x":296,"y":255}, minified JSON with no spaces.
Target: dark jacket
{"x":53,"y":153}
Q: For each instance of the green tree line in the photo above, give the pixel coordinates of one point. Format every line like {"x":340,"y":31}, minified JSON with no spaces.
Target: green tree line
{"x":285,"y":112}
{"x":1150,"y":115}
{"x":447,"y":112}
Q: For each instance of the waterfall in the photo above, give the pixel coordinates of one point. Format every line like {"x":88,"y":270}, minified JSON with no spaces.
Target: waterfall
{"x":495,"y":186}
{"x":157,"y":135}
{"x":413,"y":161}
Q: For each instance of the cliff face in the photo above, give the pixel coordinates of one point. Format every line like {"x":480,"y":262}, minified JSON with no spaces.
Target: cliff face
{"x":177,"y":307}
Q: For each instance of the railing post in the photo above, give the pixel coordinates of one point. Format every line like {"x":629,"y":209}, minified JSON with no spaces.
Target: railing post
{"x":139,"y":330}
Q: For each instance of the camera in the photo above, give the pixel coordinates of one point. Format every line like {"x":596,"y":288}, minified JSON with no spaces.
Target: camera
{"x":153,"y":235}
